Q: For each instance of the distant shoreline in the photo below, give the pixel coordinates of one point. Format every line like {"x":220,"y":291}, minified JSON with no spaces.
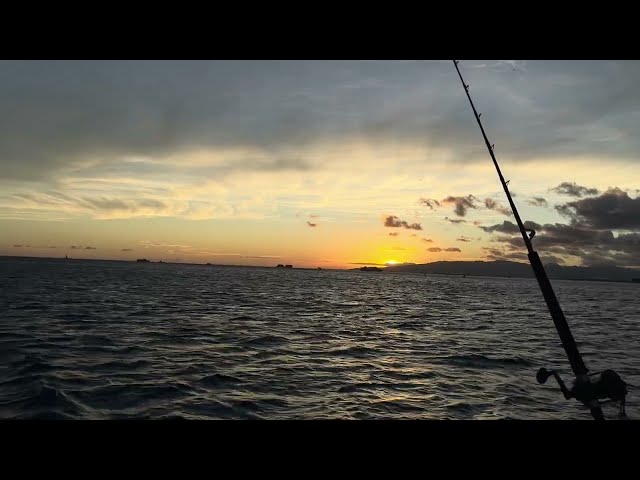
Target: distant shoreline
{"x":417,"y":269}
{"x":163,"y":262}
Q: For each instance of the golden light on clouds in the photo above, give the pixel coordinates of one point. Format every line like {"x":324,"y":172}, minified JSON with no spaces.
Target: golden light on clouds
{"x":214,"y":171}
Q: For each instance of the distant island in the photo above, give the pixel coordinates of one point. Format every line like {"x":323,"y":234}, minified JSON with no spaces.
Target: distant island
{"x":142,"y":260}
{"x":500,"y":268}
{"x":283,"y":266}
{"x":370,"y":269}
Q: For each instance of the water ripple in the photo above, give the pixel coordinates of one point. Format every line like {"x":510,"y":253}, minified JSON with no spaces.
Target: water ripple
{"x":104,"y":340}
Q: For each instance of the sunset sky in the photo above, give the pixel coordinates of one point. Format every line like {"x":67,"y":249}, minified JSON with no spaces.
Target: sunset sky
{"x":318,"y":163}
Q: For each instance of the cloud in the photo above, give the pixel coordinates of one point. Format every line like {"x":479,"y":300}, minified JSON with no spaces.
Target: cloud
{"x":17,"y":246}
{"x":394,"y":222}
{"x":586,"y":245}
{"x":100,"y":206}
{"x":614,"y":209}
{"x":517,"y":256}
{"x":148,"y":243}
{"x":574,"y":190}
{"x":548,"y":258}
{"x":455,"y":221}
{"x":499,"y":254}
{"x":312,"y":224}
{"x":314,"y":216}
{"x":452,"y":249}
{"x":429,"y":202}
{"x":126,"y":250}
{"x":163,"y":108}
{"x":492,"y":204}
{"x":393,"y":234}
{"x":428,"y":240}
{"x":173,"y":127}
{"x":462,"y":204}
{"x":509,"y":227}
{"x":463,"y":239}
{"x":90,"y":248}
{"x":434,"y":249}
{"x":538,"y":202}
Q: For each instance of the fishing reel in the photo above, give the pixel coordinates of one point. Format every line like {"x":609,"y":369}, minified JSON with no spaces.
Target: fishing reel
{"x":608,"y":387}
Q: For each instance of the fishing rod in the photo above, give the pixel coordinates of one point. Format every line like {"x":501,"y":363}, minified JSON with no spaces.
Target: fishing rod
{"x":609,"y":387}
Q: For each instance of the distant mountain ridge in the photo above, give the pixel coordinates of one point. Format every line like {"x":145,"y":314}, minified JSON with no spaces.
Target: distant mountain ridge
{"x":503,"y":268}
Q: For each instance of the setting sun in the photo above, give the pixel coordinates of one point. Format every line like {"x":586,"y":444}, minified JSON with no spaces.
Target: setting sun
{"x":319,"y":240}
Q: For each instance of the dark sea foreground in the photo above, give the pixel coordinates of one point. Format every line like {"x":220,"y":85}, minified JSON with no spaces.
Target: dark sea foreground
{"x":107,"y":340}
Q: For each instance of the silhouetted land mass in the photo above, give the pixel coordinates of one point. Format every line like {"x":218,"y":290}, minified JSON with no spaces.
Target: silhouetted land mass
{"x":479,"y":268}
{"x":500,"y":268}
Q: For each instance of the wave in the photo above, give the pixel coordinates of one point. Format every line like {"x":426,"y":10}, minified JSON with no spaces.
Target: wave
{"x":482,"y":361}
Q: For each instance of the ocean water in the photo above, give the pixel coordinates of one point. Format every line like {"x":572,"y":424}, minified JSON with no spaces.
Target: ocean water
{"x":114,"y":340}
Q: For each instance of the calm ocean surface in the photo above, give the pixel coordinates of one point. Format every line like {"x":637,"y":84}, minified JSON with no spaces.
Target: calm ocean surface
{"x":106,"y":340}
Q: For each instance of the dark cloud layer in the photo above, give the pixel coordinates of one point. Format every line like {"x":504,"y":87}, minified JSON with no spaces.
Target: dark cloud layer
{"x":614,"y":209}
{"x":312,"y":224}
{"x":558,"y":242}
{"x":105,"y":108}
